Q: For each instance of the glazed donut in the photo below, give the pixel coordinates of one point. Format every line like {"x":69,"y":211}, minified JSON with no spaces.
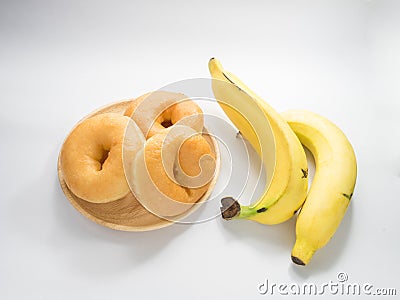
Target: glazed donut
{"x":153,"y":112}
{"x":92,"y":157}
{"x":155,"y":184}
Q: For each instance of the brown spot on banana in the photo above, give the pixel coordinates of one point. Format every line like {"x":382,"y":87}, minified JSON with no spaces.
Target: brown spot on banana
{"x":262,"y":209}
{"x":227,"y":78}
{"x":305,"y":173}
{"x":348,"y":196}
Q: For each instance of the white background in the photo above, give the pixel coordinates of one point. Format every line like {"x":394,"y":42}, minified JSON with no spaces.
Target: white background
{"x":59,"y":60}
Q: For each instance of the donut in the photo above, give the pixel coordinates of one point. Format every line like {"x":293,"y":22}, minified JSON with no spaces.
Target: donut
{"x":155,"y":111}
{"x":155,"y":184}
{"x":92,"y":157}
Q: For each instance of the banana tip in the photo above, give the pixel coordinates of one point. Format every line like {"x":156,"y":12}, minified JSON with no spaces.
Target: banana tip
{"x":298,"y":261}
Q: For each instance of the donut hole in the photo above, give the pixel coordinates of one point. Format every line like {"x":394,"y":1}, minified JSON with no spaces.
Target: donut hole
{"x":166,"y":123}
{"x":103,"y":158}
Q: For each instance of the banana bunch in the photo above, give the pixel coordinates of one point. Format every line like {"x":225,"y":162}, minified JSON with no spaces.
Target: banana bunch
{"x":278,"y":140}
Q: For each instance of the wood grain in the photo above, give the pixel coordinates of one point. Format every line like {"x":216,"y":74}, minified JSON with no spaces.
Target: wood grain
{"x":128,"y":214}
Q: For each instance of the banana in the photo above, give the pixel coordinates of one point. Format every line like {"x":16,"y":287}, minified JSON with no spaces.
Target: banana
{"x":333,"y":184}
{"x":263,"y":127}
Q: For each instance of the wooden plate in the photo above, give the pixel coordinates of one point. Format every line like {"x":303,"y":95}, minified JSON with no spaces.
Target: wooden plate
{"x":128,"y":214}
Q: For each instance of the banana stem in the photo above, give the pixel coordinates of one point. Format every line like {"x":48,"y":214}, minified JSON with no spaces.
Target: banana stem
{"x":231,"y":209}
{"x":247,"y":211}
